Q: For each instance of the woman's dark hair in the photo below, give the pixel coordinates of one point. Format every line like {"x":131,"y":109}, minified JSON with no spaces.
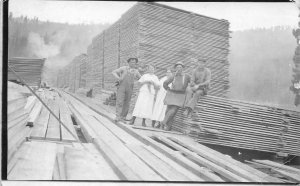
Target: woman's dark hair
{"x":136,"y":59}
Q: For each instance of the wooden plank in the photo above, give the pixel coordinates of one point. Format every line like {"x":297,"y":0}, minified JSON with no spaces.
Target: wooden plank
{"x":156,"y":130}
{"x":16,"y":130}
{"x":131,"y":141}
{"x":31,"y":100}
{"x":278,"y":165}
{"x":17,"y":121}
{"x":22,"y":152}
{"x":205,"y":174}
{"x":65,"y":117}
{"x":16,"y":142}
{"x":175,"y":165}
{"x":220,"y":170}
{"x":40,"y":128}
{"x":53,"y":129}
{"x":88,"y":133}
{"x":17,"y":113}
{"x":81,"y":165}
{"x":35,"y":112}
{"x":131,"y":160}
{"x":232,"y":161}
{"x":37,"y":165}
{"x":221,"y":161}
{"x":16,"y":105}
{"x":162,"y":168}
{"x":123,"y":171}
{"x":291,"y":176}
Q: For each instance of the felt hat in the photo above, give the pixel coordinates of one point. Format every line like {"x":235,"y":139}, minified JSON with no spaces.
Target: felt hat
{"x":178,"y":63}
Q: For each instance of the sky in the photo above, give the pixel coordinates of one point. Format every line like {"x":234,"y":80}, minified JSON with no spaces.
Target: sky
{"x":241,"y":16}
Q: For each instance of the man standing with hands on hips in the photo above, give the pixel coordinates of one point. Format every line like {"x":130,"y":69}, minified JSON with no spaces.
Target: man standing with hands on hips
{"x":126,"y":75}
{"x":175,"y":97}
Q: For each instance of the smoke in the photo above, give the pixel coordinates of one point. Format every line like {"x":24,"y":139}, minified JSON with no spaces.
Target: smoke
{"x":38,"y":47}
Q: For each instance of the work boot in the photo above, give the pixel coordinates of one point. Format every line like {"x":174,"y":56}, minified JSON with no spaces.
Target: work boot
{"x":144,"y":123}
{"x":168,"y":128}
{"x":132,"y":121}
{"x":117,"y":119}
{"x":153,"y":123}
{"x":158,"y":125}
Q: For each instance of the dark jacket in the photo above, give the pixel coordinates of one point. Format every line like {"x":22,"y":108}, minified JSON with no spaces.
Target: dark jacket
{"x":176,"y":94}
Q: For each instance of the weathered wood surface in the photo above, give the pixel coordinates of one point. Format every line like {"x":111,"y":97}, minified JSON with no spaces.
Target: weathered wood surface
{"x":36,"y":164}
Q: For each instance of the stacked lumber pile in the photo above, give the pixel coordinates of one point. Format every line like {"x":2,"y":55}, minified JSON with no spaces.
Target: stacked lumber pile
{"x":243,"y":125}
{"x":97,"y":58}
{"x":82,"y":72}
{"x":160,"y":35}
{"x":284,"y":171}
{"x":29,"y":69}
{"x":61,"y":78}
{"x":111,"y":55}
{"x":129,"y":35}
{"x":17,"y":116}
{"x":158,"y":157}
{"x":46,"y":126}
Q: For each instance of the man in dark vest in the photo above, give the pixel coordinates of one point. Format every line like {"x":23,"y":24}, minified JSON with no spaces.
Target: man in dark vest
{"x":199,"y":85}
{"x":126,"y":75}
{"x":175,"y":96}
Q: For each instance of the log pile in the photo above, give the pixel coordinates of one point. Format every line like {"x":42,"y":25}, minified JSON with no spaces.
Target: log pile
{"x":29,"y":69}
{"x":243,"y":125}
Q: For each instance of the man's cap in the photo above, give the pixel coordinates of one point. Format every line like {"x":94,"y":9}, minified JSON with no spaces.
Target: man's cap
{"x":136,"y":59}
{"x":178,"y":63}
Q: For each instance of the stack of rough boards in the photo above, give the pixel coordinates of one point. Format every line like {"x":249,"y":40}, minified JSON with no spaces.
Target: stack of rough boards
{"x":159,"y":35}
{"x":113,"y":151}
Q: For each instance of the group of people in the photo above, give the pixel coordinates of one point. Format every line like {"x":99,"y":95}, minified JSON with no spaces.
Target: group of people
{"x":159,"y":99}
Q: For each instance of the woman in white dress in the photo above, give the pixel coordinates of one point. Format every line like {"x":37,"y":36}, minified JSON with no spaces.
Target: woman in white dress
{"x":144,"y":104}
{"x":159,"y":109}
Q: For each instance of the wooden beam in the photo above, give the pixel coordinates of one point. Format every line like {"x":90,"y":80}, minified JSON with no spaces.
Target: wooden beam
{"x":82,"y":165}
{"x":291,"y":176}
{"x":40,"y":128}
{"x":53,"y":129}
{"x":214,"y":167}
{"x":65,"y":117}
{"x":278,"y":165}
{"x":221,"y":161}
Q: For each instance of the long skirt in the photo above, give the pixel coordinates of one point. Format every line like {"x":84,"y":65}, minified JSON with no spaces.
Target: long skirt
{"x":144,"y":105}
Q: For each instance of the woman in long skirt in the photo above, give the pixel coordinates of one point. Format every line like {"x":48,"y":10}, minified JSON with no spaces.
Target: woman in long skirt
{"x":159,"y":109}
{"x":144,"y":104}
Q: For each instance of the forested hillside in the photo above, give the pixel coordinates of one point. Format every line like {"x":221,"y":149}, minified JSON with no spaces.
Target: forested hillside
{"x":57,"y":42}
{"x":261,"y":63}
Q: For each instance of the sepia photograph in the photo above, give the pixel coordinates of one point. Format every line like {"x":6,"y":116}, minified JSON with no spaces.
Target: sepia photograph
{"x":151,"y":92}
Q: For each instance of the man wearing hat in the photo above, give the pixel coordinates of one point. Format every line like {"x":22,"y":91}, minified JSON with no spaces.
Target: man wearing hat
{"x":175,"y":96}
{"x":125,"y":76}
{"x":199,"y":85}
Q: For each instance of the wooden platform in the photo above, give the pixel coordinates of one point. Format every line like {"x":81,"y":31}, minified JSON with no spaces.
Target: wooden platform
{"x":116,"y":151}
{"x":47,"y":126}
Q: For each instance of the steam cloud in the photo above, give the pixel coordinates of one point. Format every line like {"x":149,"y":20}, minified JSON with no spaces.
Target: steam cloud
{"x":39,"y":48}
